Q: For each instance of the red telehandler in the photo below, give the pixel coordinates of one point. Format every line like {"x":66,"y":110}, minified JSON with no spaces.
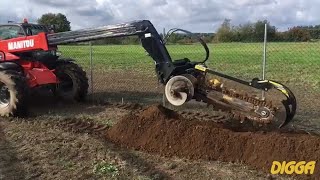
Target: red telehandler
{"x":28,"y":59}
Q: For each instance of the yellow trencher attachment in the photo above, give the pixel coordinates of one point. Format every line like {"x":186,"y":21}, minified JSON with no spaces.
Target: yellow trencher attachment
{"x":280,"y":88}
{"x":200,"y":67}
{"x":290,"y":103}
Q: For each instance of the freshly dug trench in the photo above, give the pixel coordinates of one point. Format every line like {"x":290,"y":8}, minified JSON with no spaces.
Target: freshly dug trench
{"x":162,"y":131}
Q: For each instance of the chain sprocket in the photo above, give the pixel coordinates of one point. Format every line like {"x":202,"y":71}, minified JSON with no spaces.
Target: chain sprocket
{"x":241,"y":106}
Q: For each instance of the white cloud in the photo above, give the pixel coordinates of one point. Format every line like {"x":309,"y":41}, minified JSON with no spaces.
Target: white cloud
{"x":194,"y":15}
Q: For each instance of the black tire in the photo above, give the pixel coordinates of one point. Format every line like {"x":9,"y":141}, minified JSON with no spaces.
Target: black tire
{"x":13,"y":93}
{"x":73,"y":81}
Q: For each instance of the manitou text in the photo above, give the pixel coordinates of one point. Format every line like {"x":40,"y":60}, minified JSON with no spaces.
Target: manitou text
{"x":21,"y":44}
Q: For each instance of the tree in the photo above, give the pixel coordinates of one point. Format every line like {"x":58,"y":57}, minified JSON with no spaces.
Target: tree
{"x":59,"y":20}
{"x":175,"y":38}
{"x":259,"y":27}
{"x":313,"y":30}
{"x":297,"y":34}
{"x":245,"y":32}
{"x":249,"y":32}
{"x":224,"y":33}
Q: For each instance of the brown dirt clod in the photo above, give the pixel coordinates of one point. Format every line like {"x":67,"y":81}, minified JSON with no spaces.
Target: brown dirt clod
{"x":159,"y":130}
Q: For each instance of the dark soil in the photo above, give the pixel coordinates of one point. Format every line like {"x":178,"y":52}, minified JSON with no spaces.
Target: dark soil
{"x":159,"y":130}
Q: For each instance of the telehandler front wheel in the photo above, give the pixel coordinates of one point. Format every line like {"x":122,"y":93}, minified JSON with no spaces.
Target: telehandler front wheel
{"x":73,"y":81}
{"x":13,"y":93}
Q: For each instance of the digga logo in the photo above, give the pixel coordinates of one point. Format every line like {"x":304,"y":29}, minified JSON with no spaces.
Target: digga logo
{"x":291,"y":167}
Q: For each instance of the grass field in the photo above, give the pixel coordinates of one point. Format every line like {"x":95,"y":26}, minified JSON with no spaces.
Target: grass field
{"x":294,"y":63}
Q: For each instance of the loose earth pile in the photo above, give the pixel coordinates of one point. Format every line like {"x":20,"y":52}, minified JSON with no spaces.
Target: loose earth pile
{"x":159,"y":130}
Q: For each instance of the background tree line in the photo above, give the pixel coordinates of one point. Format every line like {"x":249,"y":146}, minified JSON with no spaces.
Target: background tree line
{"x":254,"y":32}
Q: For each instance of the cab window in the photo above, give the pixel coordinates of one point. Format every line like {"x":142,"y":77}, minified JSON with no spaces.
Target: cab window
{"x":35,"y":29}
{"x":9,"y":32}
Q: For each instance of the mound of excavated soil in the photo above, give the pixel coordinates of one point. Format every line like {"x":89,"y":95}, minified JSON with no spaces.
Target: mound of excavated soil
{"x":159,"y":130}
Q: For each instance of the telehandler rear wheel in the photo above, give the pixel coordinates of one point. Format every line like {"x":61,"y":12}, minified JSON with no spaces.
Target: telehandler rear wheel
{"x":73,"y":81}
{"x":13,"y":93}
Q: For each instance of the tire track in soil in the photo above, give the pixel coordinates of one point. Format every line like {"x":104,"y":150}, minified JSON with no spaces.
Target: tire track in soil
{"x":143,"y":167}
{"x":10,"y":168}
{"x":98,"y":131}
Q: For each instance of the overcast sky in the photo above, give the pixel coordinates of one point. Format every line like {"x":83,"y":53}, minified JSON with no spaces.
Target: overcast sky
{"x":193,"y":15}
